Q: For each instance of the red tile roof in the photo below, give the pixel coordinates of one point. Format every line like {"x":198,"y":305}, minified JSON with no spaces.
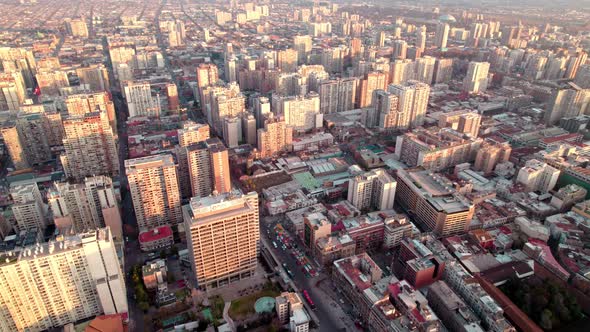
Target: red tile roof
{"x":156,"y":234}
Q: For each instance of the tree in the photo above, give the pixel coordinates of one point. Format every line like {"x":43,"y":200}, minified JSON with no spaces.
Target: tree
{"x":144,"y":306}
{"x":174,"y":250}
{"x":163,"y":254}
{"x":546,"y":320}
{"x":170,"y":278}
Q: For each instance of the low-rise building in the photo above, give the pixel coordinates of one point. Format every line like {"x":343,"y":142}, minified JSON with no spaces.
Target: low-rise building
{"x":157,"y":238}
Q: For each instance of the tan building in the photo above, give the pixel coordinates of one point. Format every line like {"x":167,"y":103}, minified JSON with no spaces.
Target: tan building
{"x":275,"y":137}
{"x":372,"y":81}
{"x":222,"y":237}
{"x":300,"y":112}
{"x":373,"y":189}
{"x":302,"y":44}
{"x":90,"y":146}
{"x":190,"y":133}
{"x":77,"y":27}
{"x":287,"y":60}
{"x":491,"y":154}
{"x":52,"y":284}
{"x":469,"y":123}
{"x":80,"y":104}
{"x":96,"y":76}
{"x":412,"y":100}
{"x":476,"y":80}
{"x":12,"y":91}
{"x":436,"y":205}
{"x":208,"y":168}
{"x":29,"y":210}
{"x":153,"y":184}
{"x":207,"y":75}
{"x":228,"y":102}
{"x":401,"y":71}
{"x":50,"y":82}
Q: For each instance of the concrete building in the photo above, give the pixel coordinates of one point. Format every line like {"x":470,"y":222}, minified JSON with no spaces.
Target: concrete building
{"x":51,"y":81}
{"x":412,"y":100}
{"x":567,"y":101}
{"x":443,"y":71}
{"x":275,"y":137}
{"x":80,"y":104}
{"x":176,"y":33}
{"x":77,"y":27}
{"x":538,"y":176}
{"x":437,"y":206}
{"x":302,"y":44}
{"x":208,"y":168}
{"x":490,"y":155}
{"x":64,"y":281}
{"x":469,"y":124}
{"x":30,"y":213}
{"x":287,"y":60}
{"x":416,"y":264}
{"x":420,"y":39}
{"x":424,"y":69}
{"x":376,"y":80}
{"x":289,"y":307}
{"x":207,"y":75}
{"x":373,"y":189}
{"x":192,"y":133}
{"x":397,"y":228}
{"x":452,"y":310}
{"x":315,"y":227}
{"x":436,"y":149}
{"x":155,"y":239}
{"x":338,"y":95}
{"x":12,"y":91}
{"x":90,"y":146}
{"x":86,"y":206}
{"x":442,"y":35}
{"x":140,"y":101}
{"x":95,"y":76}
{"x":476,"y":80}
{"x":302,"y":113}
{"x":401,"y":71}
{"x":222,"y":237}
{"x":153,"y":184}
{"x":400,"y":49}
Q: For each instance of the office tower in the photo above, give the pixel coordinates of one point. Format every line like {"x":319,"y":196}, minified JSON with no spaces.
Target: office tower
{"x":28,"y":208}
{"x":491,"y":154}
{"x":231,"y":69}
{"x":176,"y":34}
{"x":300,"y":112}
{"x":436,"y":149}
{"x":469,"y":124}
{"x":337,"y":95}
{"x":50,"y":82}
{"x":140,"y":102}
{"x":373,"y":189}
{"x":207,"y":75}
{"x":443,"y":70}
{"x":442,"y":35}
{"x":12,"y":91}
{"x":372,"y":81}
{"x":582,"y":78}
{"x":232,"y":131}
{"x":412,"y":100}
{"x":90,"y":146}
{"x":287,"y":60}
{"x":49,"y":285}
{"x":536,"y":175}
{"x":261,"y":110}
{"x":275,"y":137}
{"x":400,"y":49}
{"x":421,"y":38}
{"x":95,"y":76}
{"x":573,"y":63}
{"x":401,"y":71}
{"x":225,"y":103}
{"x":476,"y":80}
{"x":85,"y":206}
{"x":390,"y":118}
{"x":83,"y":103}
{"x":438,"y":207}
{"x":77,"y":27}
{"x":208,"y":167}
{"x":222,"y":237}
{"x":19,"y":60}
{"x":302,"y":44}
{"x":249,"y":128}
{"x":475,"y":34}
{"x":567,"y":101}
{"x":424,"y":69}
{"x":153,"y":184}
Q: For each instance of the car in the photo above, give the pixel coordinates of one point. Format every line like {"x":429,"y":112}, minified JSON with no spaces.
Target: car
{"x":274,"y":244}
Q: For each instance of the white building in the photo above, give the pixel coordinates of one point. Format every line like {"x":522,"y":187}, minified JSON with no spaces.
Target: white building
{"x":28,"y":208}
{"x":476,"y":80}
{"x":139,"y":100}
{"x":538,"y":176}
{"x":375,"y":188}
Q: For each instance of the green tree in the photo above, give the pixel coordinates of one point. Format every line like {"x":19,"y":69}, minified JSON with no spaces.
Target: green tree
{"x":546,"y":319}
{"x":144,"y":306}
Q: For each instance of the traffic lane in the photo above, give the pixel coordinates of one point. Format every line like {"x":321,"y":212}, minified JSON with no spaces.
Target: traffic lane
{"x":329,"y":322}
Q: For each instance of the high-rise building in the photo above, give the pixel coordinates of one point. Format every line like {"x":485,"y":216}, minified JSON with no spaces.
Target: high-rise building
{"x":85,"y":206}
{"x":287,"y":60}
{"x":153,"y":184}
{"x":176,"y":33}
{"x":412,"y":100}
{"x":511,"y":36}
{"x":400,"y":49}
{"x":51,"y":81}
{"x":373,"y":189}
{"x":232,"y":131}
{"x":573,"y":63}
{"x":261,"y":110}
{"x":302,"y":44}
{"x":19,"y":60}
{"x":30,"y":213}
{"x":536,"y":175}
{"x":567,"y":101}
{"x":208,"y":167}
{"x":436,"y":204}
{"x":190,"y":133}
{"x":442,"y":35}
{"x":390,"y":118}
{"x":469,"y":123}
{"x":228,"y":102}
{"x":300,"y":112}
{"x":443,"y":70}
{"x":49,"y":285}
{"x":491,"y":154}
{"x":95,"y":76}
{"x":372,"y":81}
{"x":77,"y":27}
{"x":582,"y":78}
{"x":80,"y":104}
{"x":172,"y":96}
{"x":475,"y":34}
{"x":12,"y":91}
{"x":249,"y":128}
{"x":207,"y":75}
{"x":424,"y":69}
{"x":90,"y":146}
{"x":401,"y":71}
{"x":338,"y":95}
{"x":275,"y":137}
{"x":421,"y":38}
{"x":222,"y":237}
{"x":476,"y":80}
{"x":140,"y":101}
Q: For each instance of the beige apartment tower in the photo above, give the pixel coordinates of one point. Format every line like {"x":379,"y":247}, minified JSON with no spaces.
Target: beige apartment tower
{"x":154,"y":189}
{"x":275,"y":137}
{"x":208,"y":168}
{"x":223,"y":237}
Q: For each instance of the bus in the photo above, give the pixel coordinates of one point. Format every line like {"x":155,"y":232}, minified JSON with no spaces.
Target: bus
{"x":308,"y":299}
